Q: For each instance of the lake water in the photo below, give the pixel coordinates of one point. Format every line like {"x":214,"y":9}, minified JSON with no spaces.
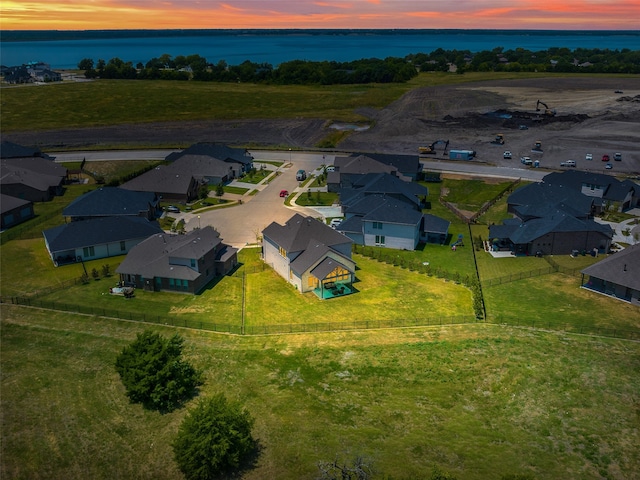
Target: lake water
{"x":278,"y":47}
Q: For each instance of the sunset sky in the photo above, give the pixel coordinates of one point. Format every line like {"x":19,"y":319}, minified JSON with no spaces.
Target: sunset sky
{"x":159,"y":14}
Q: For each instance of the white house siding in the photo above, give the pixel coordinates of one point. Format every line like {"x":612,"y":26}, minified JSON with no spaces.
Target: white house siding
{"x":272,"y":257}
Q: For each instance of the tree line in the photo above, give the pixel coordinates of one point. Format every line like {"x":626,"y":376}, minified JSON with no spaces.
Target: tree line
{"x":368,"y":70}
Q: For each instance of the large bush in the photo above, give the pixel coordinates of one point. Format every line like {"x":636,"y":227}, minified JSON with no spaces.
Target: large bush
{"x":213,"y":439}
{"x":154,"y":373}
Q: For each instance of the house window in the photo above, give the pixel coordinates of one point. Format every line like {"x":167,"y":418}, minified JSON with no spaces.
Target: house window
{"x":193,"y":263}
{"x":377,"y":225}
{"x":123,"y":246}
{"x":282,"y":251}
{"x":171,"y":282}
{"x":380,"y":240}
{"x":89,"y":251}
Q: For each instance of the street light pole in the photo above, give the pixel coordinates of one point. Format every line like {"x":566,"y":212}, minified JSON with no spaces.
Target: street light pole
{"x":198,"y":221}
{"x":289,"y":155}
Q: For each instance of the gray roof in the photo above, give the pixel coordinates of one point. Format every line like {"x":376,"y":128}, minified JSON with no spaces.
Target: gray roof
{"x":351,"y":225}
{"x":433,"y":224}
{"x":361,"y":164}
{"x":614,"y":189}
{"x":8,"y":203}
{"x":215,"y":150}
{"x":540,"y":195}
{"x":622,"y":268}
{"x":298,"y":231}
{"x":35,"y":172}
{"x":382,"y":183}
{"x":13,"y":150}
{"x":390,"y":210}
{"x":98,"y":231}
{"x":203,"y":166}
{"x":407,"y":164}
{"x":150,"y":258}
{"x":161,"y":179}
{"x":326,"y":266}
{"x":530,"y":230}
{"x":110,"y":201}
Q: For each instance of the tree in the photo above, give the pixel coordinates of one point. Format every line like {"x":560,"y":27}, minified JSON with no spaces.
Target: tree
{"x":154,"y":374}
{"x":214,"y":439}
{"x":85,"y":64}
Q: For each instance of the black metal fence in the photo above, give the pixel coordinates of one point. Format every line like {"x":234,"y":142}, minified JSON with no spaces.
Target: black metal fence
{"x":573,"y":328}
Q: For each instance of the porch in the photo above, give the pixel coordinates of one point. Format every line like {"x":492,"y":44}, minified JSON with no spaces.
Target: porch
{"x":333,"y":289}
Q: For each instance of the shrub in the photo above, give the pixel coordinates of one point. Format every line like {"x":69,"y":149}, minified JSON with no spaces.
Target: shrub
{"x":154,"y":374}
{"x":213,"y":439}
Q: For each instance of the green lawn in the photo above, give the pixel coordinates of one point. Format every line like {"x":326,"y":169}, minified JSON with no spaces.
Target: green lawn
{"x":317,"y":198}
{"x":477,"y":401}
{"x":556,"y":301}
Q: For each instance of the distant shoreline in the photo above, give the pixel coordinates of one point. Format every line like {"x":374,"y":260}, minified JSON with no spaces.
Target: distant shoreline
{"x":54,"y":35}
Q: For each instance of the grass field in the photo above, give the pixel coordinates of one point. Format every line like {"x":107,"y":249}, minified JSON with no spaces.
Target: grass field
{"x":137,"y":101}
{"x":477,"y":401}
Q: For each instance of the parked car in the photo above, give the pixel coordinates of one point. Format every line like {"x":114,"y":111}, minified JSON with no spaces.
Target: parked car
{"x":173,"y":209}
{"x":335,"y":222}
{"x":568,"y":163}
{"x":588,"y":156}
{"x":523,"y":127}
{"x":301,"y":175}
{"x":617,"y":157}
{"x":331,"y":168}
{"x":605,"y":158}
{"x":526,"y":160}
{"x":608,"y":166}
{"x":507,"y":154}
{"x":284,"y":193}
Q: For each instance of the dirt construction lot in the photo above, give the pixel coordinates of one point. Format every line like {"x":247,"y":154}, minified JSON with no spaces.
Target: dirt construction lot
{"x":590,"y":117}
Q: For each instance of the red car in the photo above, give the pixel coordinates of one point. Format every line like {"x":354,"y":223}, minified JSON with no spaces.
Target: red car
{"x":605,"y":158}
{"x":283,"y":193}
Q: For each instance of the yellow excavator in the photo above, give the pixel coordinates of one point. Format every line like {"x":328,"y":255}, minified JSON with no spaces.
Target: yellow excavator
{"x":547,"y":111}
{"x":431,"y":149}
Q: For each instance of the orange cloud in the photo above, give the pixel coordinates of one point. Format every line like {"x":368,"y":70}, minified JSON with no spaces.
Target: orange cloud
{"x":151,"y":14}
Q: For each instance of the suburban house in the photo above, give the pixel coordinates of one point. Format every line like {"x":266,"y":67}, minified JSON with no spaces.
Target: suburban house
{"x":618,"y":275}
{"x":381,"y":221}
{"x":200,"y":164}
{"x":33,"y":178}
{"x":347,"y":169}
{"x":213,"y":163}
{"x":96,"y":238}
{"x":383,"y":210}
{"x":114,"y":201}
{"x":383,"y":184}
{"x":167,"y":182}
{"x":550,"y":229}
{"x":606,"y":190}
{"x":178,"y":263}
{"x":14,"y":211}
{"x":310,"y":255}
{"x":31,"y":72}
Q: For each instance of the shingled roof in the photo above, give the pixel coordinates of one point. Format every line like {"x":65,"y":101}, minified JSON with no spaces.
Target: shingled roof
{"x":110,"y":201}
{"x":622,"y":268}
{"x":151,"y":258}
{"x":298,"y":231}
{"x":214,"y":150}
{"x":98,"y":231}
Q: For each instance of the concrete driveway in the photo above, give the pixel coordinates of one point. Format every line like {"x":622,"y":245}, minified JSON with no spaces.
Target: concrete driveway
{"x":241,"y":225}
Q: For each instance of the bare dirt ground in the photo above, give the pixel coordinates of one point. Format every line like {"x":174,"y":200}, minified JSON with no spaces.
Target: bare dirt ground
{"x":590,"y":118}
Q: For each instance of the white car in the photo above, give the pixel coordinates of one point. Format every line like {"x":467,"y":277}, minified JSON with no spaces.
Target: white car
{"x":506,"y":154}
{"x":588,"y":156}
{"x":335,"y":222}
{"x":526,"y":160}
